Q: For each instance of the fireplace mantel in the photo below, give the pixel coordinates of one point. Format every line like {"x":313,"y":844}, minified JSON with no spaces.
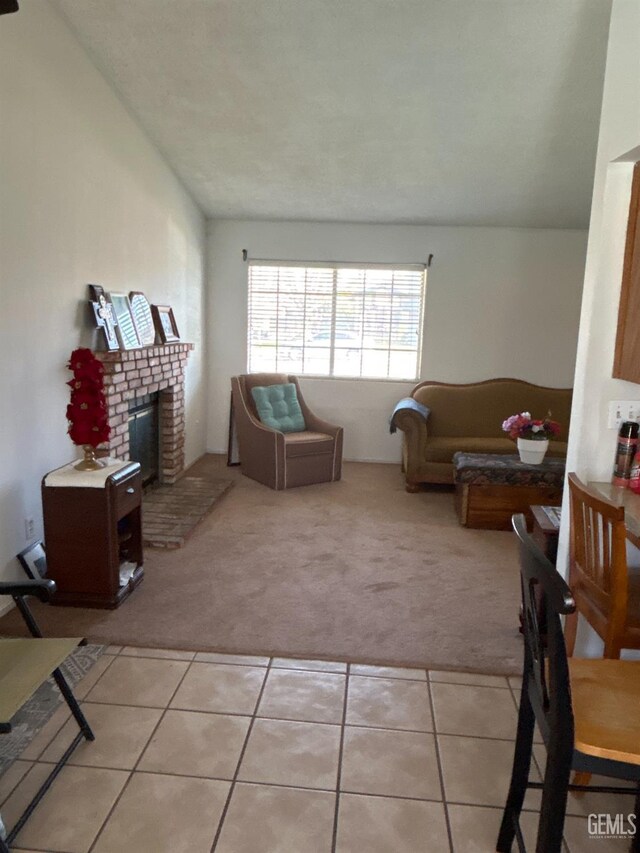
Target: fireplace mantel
{"x":148,"y":370}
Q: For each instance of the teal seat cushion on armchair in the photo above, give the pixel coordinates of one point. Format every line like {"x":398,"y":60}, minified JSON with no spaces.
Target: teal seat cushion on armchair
{"x":278,"y":407}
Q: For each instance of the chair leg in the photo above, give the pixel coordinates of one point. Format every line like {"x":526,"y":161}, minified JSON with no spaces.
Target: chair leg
{"x":580,"y":778}
{"x":519,"y":773}
{"x":554,"y":798}
{"x":72,"y":702}
{"x":570,"y":632}
{"x":612,"y":649}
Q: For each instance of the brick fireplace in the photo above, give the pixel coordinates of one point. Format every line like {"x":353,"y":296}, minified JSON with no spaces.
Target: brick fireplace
{"x":136,"y":373}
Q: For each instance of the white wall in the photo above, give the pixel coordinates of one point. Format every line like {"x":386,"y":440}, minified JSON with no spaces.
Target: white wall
{"x":500,"y":302}
{"x":591,"y":444}
{"x":84,"y":198}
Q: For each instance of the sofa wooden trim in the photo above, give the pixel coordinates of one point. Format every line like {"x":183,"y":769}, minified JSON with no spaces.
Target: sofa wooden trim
{"x":485,"y":382}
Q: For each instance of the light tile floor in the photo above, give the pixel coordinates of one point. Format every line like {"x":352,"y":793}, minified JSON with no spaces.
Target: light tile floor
{"x":197,"y":753}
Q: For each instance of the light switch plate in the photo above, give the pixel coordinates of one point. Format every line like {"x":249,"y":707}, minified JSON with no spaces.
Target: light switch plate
{"x":623,"y":410}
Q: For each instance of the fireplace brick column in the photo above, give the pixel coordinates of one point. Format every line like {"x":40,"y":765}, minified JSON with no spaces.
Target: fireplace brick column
{"x":143,"y":371}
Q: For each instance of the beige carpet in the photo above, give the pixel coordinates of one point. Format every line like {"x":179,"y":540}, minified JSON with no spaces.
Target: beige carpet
{"x":357,"y":570}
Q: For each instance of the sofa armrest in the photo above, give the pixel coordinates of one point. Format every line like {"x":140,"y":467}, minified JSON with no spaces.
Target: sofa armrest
{"x":414,"y":427}
{"x":413,"y":424}
{"x":312,"y":422}
{"x":410,"y":422}
{"x":316,"y":424}
{"x":407,"y":405}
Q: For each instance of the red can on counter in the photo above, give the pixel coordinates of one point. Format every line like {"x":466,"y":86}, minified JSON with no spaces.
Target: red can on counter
{"x":625,"y":453}
{"x":634,"y":476}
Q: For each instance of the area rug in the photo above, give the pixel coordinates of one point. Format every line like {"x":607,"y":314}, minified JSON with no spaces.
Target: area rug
{"x":171,"y":513}
{"x":37,"y":710}
{"x":357,"y":570}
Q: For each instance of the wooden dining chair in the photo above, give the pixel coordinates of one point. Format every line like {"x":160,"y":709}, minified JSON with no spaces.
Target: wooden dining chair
{"x":585,"y":710}
{"x":606,"y":593}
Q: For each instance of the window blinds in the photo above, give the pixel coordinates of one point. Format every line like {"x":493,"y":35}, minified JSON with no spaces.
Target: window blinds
{"x":348,"y":320}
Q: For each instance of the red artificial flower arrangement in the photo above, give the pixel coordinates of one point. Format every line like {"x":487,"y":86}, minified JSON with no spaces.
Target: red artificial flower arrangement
{"x":87,"y":410}
{"x":524,"y":426}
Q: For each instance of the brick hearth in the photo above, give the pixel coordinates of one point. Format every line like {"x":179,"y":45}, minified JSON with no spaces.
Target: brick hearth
{"x":135,"y":373}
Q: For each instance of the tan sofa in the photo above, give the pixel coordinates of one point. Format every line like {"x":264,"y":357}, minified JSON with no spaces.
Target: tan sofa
{"x":469,"y":418}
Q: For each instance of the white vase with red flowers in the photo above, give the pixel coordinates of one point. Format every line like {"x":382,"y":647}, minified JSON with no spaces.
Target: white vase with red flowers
{"x":531,"y":436}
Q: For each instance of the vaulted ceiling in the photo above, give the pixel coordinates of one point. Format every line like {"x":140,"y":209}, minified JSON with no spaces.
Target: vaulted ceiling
{"x":464,"y":112}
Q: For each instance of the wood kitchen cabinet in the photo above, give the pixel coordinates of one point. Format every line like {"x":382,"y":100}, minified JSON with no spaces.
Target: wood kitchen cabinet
{"x":626,"y":360}
{"x":93,"y":533}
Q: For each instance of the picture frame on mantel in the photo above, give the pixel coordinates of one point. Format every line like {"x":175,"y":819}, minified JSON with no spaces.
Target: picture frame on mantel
{"x":105,"y":319}
{"x":143,"y":318}
{"x":165,"y":323}
{"x":127,"y":329}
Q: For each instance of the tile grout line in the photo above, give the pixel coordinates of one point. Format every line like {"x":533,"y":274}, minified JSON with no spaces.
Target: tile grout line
{"x":515,"y":698}
{"x":24,"y":776}
{"x":241,"y":662}
{"x":343,"y":725}
{"x":301,"y":719}
{"x":133,"y":770}
{"x":227,"y":803}
{"x":100,"y":677}
{"x":440,"y":771}
{"x":288,"y":785}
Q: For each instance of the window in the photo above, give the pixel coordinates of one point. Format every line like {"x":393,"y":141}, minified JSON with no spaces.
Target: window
{"x":346,"y":320}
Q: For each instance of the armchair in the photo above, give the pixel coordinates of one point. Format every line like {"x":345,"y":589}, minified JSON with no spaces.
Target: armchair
{"x":283,"y":460}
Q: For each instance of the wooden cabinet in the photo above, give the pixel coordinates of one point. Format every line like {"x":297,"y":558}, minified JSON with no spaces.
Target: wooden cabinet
{"x":626,"y":361}
{"x":93,"y":533}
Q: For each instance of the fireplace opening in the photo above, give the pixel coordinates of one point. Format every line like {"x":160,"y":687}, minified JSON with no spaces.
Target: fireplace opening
{"x":144,"y":436}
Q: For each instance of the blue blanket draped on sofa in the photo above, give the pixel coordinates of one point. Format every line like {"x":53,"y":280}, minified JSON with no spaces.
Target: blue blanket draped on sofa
{"x":408,"y":403}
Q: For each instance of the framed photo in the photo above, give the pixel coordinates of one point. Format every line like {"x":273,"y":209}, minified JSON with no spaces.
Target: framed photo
{"x":105,"y":320}
{"x":34,"y":561}
{"x":95,"y":292}
{"x":142,"y":317}
{"x":127,"y":330}
{"x":165,"y":323}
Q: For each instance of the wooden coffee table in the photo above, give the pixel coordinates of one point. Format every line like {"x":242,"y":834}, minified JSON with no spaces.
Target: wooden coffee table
{"x":546,"y":528}
{"x":490,"y":487}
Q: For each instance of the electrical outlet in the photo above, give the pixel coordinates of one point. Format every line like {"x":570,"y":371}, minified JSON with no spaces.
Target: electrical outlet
{"x":29,"y":529}
{"x":623,"y":410}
